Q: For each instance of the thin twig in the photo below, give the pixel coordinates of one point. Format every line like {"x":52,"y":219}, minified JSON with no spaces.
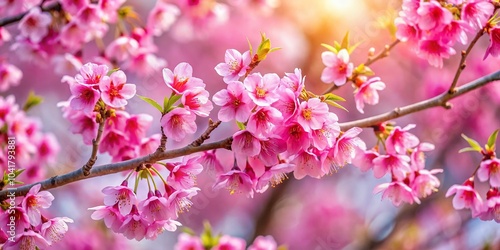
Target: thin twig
{"x":12,"y":19}
{"x":369,"y":61}
{"x":461,"y":65}
{"x":163,"y":142}
{"x":112,"y":168}
{"x":440,"y":100}
{"x":95,"y":146}
{"x":206,"y":135}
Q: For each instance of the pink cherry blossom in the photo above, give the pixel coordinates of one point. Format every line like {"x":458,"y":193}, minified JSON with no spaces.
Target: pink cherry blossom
{"x":196,"y":100}
{"x":398,"y":192}
{"x":367,"y":93}
{"x":327,"y":134}
{"x":115,"y":91}
{"x":338,"y":68}
{"x":491,"y":208}
{"x":73,"y":6}
{"x":144,"y":63}
{"x":33,"y":201}
{"x":312,"y":114}
{"x":179,"y":200}
{"x":364,"y":159}
{"x":84,"y":97}
{"x":466,"y":197}
{"x":158,"y":227}
{"x":113,"y":219}
{"x":35,"y":24}
{"x":400,"y":140}
{"x":234,"y":101}
{"x":235,"y":66}
{"x":73,"y":35}
{"x":273,"y":176}
{"x":288,"y":104}
{"x":494,"y":47}
{"x":345,"y":147}
{"x":161,"y":17}
{"x":67,"y":63}
{"x":477,"y":12}
{"x":433,"y":16}
{"x":270,"y":148}
{"x":54,"y":229}
{"x":236,"y":181}
{"x":425,"y":183}
{"x":490,"y":169}
{"x":454,"y":31}
{"x":122,"y":48}
{"x":264,"y":120}
{"x":4,"y":35}
{"x":262,"y":89}
{"x":21,"y":220}
{"x":296,"y":138}
{"x":47,"y":148}
{"x":397,"y":165}
{"x":121,"y":195}
{"x":186,"y":241}
{"x":307,"y":163}
{"x":136,"y":127}
{"x":418,"y":156}
{"x":183,"y":175}
{"x":155,"y":207}
{"x":178,"y":123}
{"x":406,"y":32}
{"x":27,"y":240}
{"x":10,"y":76}
{"x":263,"y":243}
{"x":134,"y":226}
{"x":293,"y":81}
{"x":110,"y":9}
{"x":434,"y":51}
{"x":91,"y":74}
{"x":112,"y":141}
{"x":245,"y":143}
{"x":230,"y":243}
{"x":181,"y":79}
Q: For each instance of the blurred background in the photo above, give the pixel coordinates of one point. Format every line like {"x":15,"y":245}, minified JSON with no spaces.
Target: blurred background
{"x":336,"y":212}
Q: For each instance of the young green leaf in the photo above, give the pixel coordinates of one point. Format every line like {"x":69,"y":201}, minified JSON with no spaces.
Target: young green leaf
{"x":330,"y":48}
{"x":492,"y":139}
{"x":334,"y":104}
{"x":472,"y":143}
{"x":32,"y":101}
{"x":345,"y":42}
{"x":333,"y":97}
{"x":151,"y":102}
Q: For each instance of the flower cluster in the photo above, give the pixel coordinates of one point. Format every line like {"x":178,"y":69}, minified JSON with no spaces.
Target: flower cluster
{"x":123,"y":212}
{"x":466,"y":196}
{"x":179,"y":121}
{"x":435,"y":26}
{"x":206,"y":241}
{"x":284,"y":128}
{"x":99,"y":96}
{"x":25,"y":227}
{"x":30,"y":149}
{"x":404,"y":160}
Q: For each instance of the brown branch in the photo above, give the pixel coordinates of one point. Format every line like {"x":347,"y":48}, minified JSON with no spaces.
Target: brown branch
{"x":369,"y":61}
{"x":95,"y":146}
{"x":112,"y":168}
{"x":440,"y":100}
{"x":206,"y":135}
{"x":461,"y":65}
{"x":163,"y":141}
{"x":12,"y":19}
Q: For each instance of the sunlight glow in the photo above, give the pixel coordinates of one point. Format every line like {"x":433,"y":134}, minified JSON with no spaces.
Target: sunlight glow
{"x":342,"y":6}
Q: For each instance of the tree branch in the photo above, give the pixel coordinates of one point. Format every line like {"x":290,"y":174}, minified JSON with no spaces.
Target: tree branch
{"x":461,"y":65}
{"x":12,"y":19}
{"x":440,"y":100}
{"x":95,"y":146}
{"x":111,"y":168}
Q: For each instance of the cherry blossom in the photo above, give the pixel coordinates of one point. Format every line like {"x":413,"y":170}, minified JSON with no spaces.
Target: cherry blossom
{"x":261,"y":89}
{"x":186,"y":241}
{"x":115,"y":91}
{"x":84,"y":97}
{"x":466,"y":197}
{"x":367,"y":93}
{"x":113,"y":219}
{"x":181,"y":79}
{"x":477,"y":12}
{"x":178,"y":123}
{"x":398,"y":192}
{"x":35,"y":200}
{"x":35,"y":24}
{"x":338,"y":68}
{"x":433,"y":16}
{"x":235,"y":66}
{"x":161,"y":17}
{"x":121,"y":195}
{"x":490,"y":169}
{"x":312,"y":114}
{"x":234,"y":101}
{"x":10,"y":75}
{"x":54,"y":229}
{"x":494,"y":47}
{"x":230,"y":243}
{"x":196,"y":100}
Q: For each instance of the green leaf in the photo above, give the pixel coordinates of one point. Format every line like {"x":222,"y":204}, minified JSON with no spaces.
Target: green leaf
{"x":472,"y":143}
{"x":345,"y":42}
{"x":330,"y":48}
{"x":32,"y":101}
{"x":362,"y":69}
{"x":333,"y":97}
{"x":334,"y":104}
{"x":352,"y":48}
{"x":112,"y":71}
{"x":492,"y":139}
{"x":241,"y":125}
{"x":467,"y":149}
{"x":151,"y":102}
{"x":250,"y":46}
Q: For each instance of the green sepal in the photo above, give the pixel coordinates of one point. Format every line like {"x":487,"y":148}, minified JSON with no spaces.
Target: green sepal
{"x":362,"y":69}
{"x":151,"y":102}
{"x":208,"y":240}
{"x":241,"y":125}
{"x":491,"y":141}
{"x":169,"y":102}
{"x":32,"y":101}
